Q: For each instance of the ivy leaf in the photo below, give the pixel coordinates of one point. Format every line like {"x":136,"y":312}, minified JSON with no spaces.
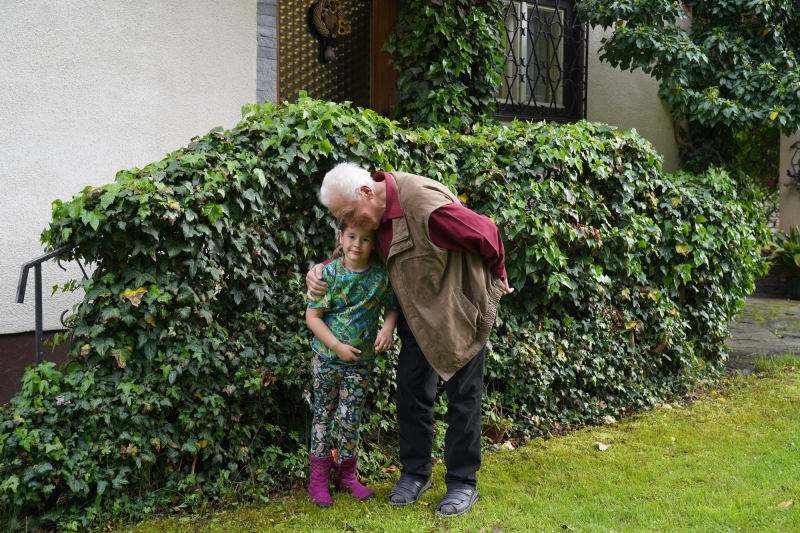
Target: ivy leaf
{"x":121,"y":356}
{"x":213,"y":212}
{"x":134,"y":296}
{"x":150,"y":230}
{"x":93,"y":218}
{"x":325,"y":146}
{"x":10,"y":483}
{"x":174,"y":247}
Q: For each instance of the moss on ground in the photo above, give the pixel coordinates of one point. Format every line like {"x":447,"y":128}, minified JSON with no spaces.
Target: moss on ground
{"x":761,"y":311}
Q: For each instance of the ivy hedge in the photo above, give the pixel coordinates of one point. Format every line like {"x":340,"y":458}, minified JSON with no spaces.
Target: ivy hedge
{"x":189,"y":371}
{"x":448,"y":56}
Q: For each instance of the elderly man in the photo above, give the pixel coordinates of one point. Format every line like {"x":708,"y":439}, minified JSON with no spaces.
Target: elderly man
{"x":447,"y":266}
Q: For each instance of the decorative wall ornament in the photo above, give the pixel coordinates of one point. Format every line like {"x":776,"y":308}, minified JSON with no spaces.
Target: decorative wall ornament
{"x":327,"y":19}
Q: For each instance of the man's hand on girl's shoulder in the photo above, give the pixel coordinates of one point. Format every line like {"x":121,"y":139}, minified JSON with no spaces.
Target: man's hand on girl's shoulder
{"x":314,"y":282}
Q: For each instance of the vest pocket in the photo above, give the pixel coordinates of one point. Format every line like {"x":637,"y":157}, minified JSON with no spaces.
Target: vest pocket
{"x":463,"y":318}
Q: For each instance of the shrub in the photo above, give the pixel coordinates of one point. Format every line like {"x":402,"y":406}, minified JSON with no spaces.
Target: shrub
{"x":448,"y":55}
{"x":189,"y":378}
{"x":786,"y":250}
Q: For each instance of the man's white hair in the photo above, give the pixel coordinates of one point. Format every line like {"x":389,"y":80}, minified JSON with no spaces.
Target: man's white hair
{"x":344,"y":180}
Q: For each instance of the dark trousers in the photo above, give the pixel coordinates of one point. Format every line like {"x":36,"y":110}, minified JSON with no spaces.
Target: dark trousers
{"x":416,"y":393}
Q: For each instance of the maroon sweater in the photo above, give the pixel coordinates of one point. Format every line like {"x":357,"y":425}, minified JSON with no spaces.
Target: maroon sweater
{"x":452,"y":227}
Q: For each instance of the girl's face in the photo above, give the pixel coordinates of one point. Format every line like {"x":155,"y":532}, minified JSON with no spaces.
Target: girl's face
{"x":357,"y":244}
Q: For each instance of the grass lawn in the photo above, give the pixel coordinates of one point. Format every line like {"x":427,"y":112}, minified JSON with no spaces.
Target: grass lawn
{"x":729,"y":460}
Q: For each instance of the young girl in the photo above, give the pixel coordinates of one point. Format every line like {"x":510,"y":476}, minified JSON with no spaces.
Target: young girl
{"x":345,"y":325}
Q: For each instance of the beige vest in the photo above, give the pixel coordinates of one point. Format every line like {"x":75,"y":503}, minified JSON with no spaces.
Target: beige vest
{"x":449,"y":298}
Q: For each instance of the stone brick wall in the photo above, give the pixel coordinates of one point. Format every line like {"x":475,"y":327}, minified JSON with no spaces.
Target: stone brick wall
{"x":775,"y":283}
{"x":267,"y":58}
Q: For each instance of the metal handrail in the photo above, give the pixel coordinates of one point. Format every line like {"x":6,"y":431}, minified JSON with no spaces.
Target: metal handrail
{"x":36,"y":264}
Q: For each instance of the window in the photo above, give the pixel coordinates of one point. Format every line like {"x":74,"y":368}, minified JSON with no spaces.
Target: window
{"x":545,"y":66}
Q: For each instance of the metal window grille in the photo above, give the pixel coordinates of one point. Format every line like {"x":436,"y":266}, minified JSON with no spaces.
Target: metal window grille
{"x":544,"y":76}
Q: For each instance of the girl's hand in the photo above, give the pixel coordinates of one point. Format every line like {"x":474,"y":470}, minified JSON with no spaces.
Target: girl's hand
{"x":384,"y":340}
{"x":346,"y":352}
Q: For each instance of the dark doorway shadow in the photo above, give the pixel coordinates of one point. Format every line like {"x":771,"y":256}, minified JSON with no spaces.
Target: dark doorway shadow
{"x":17,"y":351}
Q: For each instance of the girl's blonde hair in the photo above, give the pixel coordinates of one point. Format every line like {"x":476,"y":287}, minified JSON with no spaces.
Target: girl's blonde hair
{"x":338,"y":251}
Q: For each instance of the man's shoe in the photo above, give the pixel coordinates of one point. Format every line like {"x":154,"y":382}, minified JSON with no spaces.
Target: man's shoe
{"x":407,"y":491}
{"x":457,"y":502}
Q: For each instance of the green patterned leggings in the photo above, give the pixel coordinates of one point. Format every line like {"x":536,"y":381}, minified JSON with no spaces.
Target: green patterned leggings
{"x":339,"y":395}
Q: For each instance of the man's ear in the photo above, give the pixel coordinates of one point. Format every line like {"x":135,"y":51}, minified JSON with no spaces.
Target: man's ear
{"x":366,"y":191}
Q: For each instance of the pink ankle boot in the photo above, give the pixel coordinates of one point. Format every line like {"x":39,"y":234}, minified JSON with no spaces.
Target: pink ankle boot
{"x":318,"y":480}
{"x":348,"y":478}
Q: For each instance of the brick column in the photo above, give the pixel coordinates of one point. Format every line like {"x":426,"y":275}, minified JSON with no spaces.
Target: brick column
{"x":267,"y":57}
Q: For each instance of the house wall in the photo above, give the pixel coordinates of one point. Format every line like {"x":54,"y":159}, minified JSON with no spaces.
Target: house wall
{"x":790,"y":197}
{"x":629,"y":100}
{"x":89,"y":87}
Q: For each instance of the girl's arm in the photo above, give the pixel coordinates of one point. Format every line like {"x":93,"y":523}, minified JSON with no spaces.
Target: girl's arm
{"x":386,"y":335}
{"x":323,"y":333}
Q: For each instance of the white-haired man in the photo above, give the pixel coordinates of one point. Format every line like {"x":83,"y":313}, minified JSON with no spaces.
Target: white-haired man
{"x":447,"y":266}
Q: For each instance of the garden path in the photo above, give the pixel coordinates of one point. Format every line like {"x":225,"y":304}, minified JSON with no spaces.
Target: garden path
{"x":768,"y":326}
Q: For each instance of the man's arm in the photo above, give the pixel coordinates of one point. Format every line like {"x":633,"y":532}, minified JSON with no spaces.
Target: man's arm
{"x":454,"y":227}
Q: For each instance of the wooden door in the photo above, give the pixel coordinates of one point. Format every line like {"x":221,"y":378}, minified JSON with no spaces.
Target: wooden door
{"x":383,"y":77}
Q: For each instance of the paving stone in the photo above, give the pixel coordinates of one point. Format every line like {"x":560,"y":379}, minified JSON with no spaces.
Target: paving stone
{"x":767,"y":327}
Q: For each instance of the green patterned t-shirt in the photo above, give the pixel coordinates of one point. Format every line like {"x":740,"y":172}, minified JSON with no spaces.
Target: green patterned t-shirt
{"x":352,"y":307}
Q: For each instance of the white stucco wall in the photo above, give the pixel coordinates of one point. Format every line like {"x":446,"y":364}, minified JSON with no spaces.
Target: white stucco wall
{"x":629,"y":100}
{"x":89,"y":87}
{"x":790,"y":198}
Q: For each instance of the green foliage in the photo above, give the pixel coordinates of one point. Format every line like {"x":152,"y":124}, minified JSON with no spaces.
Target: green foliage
{"x":189,"y":377}
{"x":448,"y":55}
{"x":654,"y":476}
{"x":750,"y":155}
{"x":735,"y":64}
{"x":731,"y":71}
{"x":627,"y":268}
{"x":786,"y":250}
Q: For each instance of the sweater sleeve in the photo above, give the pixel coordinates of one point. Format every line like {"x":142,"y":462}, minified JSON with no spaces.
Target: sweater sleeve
{"x":454,"y":227}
